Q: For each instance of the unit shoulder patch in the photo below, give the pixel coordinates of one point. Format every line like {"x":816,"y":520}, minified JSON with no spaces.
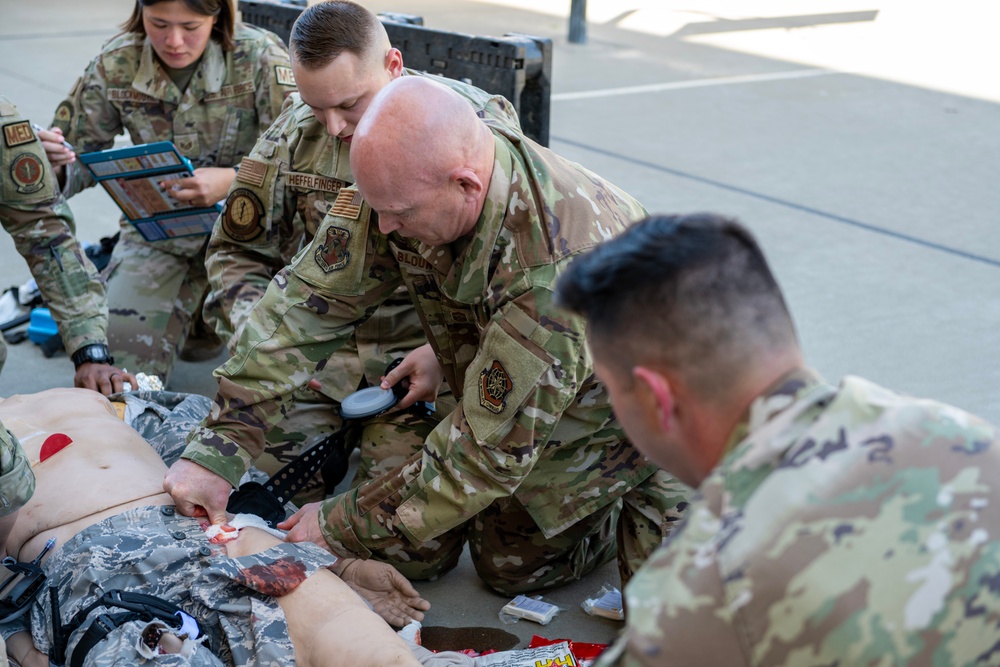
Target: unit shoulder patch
{"x":26,"y":170}
{"x":16,"y":134}
{"x":242,"y":218}
{"x":494,"y":386}
{"x":333,"y":254}
{"x":64,"y":112}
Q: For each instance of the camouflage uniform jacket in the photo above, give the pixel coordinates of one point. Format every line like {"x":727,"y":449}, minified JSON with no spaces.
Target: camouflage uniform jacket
{"x":17,"y":481}
{"x":845,"y":526}
{"x":532,"y":419}
{"x":37,"y":216}
{"x":293,"y":175}
{"x":155,"y":551}
{"x":232,"y":98}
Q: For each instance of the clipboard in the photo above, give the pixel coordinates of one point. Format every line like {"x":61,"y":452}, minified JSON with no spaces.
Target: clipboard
{"x":132,"y":177}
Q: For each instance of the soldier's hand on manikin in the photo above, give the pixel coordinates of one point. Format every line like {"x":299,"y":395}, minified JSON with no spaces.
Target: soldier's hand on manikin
{"x":104,"y":378}
{"x":303,"y":526}
{"x":197,"y":491}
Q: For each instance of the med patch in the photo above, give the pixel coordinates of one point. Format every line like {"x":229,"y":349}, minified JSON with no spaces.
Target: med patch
{"x":16,"y":134}
{"x":241,"y":220}
{"x":283,"y":75}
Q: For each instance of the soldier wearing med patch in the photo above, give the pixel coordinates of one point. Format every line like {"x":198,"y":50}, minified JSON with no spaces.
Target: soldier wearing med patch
{"x":283,"y":191}
{"x":213,"y":111}
{"x":532,"y":467}
{"x":42,"y":225}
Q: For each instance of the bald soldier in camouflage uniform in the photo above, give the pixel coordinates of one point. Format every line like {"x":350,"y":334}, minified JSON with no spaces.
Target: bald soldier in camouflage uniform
{"x":290,"y":181}
{"x":155,"y":288}
{"x":531,"y":467}
{"x":39,"y":220}
{"x":833,"y":525}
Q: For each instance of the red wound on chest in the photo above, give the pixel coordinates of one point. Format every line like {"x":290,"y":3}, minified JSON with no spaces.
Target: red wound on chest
{"x":53,"y":444}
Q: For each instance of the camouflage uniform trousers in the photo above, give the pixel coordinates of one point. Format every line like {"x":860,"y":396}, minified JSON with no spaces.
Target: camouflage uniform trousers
{"x":153,"y":298}
{"x":155,"y":551}
{"x":512,"y":555}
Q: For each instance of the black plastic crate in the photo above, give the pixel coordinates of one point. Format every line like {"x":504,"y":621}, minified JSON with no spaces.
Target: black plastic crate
{"x":519,"y":67}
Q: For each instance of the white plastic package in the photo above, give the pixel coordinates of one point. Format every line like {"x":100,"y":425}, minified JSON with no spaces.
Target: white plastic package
{"x":606,"y":603}
{"x":533,"y":609}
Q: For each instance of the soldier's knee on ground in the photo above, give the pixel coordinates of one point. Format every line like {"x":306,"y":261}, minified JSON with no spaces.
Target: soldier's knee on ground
{"x":512,"y":556}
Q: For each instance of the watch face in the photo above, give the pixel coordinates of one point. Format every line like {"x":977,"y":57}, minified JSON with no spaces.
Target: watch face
{"x":92,"y":354}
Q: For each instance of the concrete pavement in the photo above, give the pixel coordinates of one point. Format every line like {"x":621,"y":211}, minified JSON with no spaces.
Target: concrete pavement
{"x":859,"y":140}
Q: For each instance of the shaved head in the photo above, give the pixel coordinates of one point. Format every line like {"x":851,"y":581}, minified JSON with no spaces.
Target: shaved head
{"x":419,"y":140}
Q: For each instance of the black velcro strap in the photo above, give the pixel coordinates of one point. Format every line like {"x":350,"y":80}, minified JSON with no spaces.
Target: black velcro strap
{"x":98,"y":630}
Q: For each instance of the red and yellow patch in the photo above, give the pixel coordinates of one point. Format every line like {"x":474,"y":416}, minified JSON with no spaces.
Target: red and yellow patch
{"x":27,"y":172}
{"x":494,"y":386}
{"x":16,"y":134}
{"x":242,"y":218}
{"x":333,"y":254}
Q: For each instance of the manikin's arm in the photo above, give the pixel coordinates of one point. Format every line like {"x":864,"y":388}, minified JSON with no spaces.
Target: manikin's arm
{"x":326,"y":618}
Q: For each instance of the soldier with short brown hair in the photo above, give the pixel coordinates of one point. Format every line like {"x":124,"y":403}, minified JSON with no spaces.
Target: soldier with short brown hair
{"x":832,"y":524}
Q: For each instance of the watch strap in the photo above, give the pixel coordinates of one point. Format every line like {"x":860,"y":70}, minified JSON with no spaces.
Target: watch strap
{"x":95,"y":353}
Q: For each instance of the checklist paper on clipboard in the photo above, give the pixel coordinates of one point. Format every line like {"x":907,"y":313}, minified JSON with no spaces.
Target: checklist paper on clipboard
{"x":138,"y":180}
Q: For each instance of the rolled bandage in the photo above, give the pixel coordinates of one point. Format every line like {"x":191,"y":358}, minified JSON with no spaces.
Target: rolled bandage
{"x":221,"y":533}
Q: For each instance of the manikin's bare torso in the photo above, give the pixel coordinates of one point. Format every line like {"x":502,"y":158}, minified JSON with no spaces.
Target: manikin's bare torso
{"x":108,"y":468}
{"x":103,"y":472}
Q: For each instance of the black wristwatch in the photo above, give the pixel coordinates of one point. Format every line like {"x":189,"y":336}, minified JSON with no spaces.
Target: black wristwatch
{"x":95,"y":353}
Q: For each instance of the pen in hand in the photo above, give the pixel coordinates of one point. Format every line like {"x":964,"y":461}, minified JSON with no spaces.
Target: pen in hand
{"x":38,"y":128}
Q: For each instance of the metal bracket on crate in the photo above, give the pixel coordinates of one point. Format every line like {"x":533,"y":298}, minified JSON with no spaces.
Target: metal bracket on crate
{"x":517,"y":66}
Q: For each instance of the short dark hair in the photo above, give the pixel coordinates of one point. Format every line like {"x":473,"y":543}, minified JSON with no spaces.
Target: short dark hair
{"x":222,"y":31}
{"x":327,"y":29}
{"x":693,"y":292}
